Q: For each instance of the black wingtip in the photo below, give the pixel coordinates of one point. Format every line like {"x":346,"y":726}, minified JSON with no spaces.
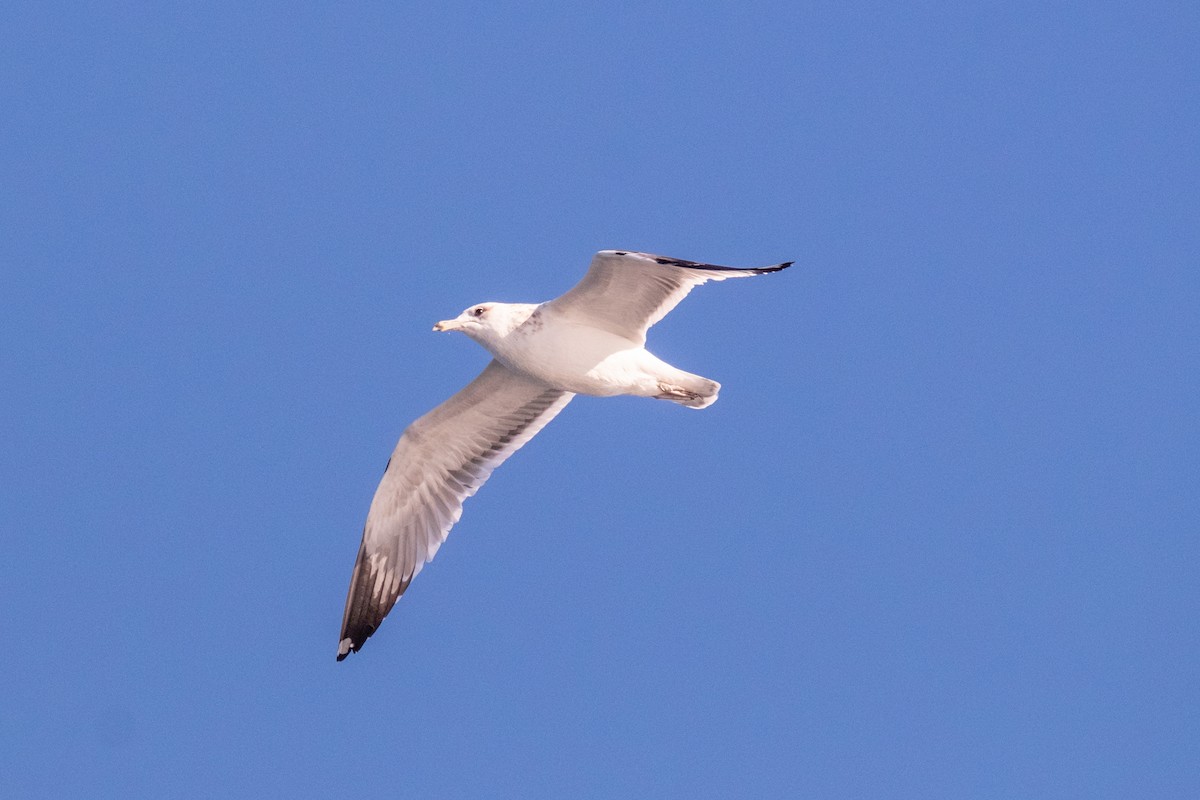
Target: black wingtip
{"x":679,"y":262}
{"x":347,"y":646}
{"x":775,"y":268}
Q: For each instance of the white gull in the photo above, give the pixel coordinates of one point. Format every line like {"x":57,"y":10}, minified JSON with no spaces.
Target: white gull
{"x":589,"y":341}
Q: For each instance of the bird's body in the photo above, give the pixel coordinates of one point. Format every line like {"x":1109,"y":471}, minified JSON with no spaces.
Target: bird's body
{"x":528,"y":338}
{"x":589,"y":341}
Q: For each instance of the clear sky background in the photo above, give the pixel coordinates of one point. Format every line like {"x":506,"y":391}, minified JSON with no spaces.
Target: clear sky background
{"x":939,"y":538}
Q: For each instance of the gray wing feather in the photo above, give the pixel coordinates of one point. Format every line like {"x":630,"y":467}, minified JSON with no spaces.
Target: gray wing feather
{"x":625,"y":293}
{"x":441,"y":460}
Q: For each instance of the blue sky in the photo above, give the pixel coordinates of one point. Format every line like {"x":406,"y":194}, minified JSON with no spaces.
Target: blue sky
{"x":938,"y":538}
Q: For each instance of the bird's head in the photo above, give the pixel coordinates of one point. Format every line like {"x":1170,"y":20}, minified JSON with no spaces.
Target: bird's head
{"x":483,"y":322}
{"x":488,"y":322}
{"x":472,"y":319}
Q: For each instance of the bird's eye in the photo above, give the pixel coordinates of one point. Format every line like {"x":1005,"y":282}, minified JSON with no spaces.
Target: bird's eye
{"x":478,"y":311}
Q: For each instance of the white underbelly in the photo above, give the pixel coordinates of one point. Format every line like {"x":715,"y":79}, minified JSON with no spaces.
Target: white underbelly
{"x":586,"y":361}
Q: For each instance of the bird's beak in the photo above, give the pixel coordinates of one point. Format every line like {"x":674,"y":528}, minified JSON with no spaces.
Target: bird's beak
{"x":448,"y":325}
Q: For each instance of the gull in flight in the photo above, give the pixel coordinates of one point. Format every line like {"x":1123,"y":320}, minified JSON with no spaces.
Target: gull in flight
{"x":589,"y":341}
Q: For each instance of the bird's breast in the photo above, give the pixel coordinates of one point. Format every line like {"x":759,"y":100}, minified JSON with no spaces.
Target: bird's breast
{"x":574,"y":358}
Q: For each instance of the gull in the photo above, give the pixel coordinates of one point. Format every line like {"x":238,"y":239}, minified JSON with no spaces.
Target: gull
{"x":590,"y":340}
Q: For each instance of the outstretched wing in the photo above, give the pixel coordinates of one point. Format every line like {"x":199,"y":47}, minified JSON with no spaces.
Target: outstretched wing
{"x":625,"y":293}
{"x":441,"y":460}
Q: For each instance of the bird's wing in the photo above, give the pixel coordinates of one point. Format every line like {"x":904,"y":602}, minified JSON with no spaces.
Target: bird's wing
{"x":440,"y":461}
{"x":625,"y":293}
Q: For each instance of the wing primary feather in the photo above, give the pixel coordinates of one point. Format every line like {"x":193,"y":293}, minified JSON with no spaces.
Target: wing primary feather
{"x":679,"y":262}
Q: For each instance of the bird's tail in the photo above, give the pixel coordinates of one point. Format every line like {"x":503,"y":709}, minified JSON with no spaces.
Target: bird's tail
{"x":689,"y":390}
